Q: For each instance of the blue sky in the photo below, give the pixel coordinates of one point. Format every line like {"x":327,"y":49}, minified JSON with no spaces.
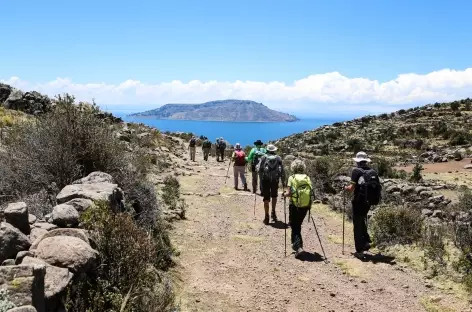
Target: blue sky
{"x":152,"y":43}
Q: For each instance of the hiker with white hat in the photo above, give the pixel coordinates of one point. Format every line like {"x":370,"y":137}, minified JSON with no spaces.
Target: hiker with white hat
{"x":271,"y":170}
{"x":366,"y":187}
{"x":239,"y":167}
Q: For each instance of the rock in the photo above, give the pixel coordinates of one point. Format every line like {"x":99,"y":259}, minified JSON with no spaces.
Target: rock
{"x":5,"y":91}
{"x":95,"y":192}
{"x":468,"y":167}
{"x":325,"y":200}
{"x":289,"y":158}
{"x":29,"y":102}
{"x":426,"y":194}
{"x":12,"y":241}
{"x":36,"y":232}
{"x":8,"y":262}
{"x":427,"y":212}
{"x":438,"y":214}
{"x":45,"y":226}
{"x":67,"y":252}
{"x":14,"y":97}
{"x":77,"y":233}
{"x":32,"y":219}
{"x":22,"y":254}
{"x":56,"y":279}
{"x":65,"y":215}
{"x":17,"y":215}
{"x":25,"y":284}
{"x":80,"y":204}
{"x":431,"y":206}
{"x":95,"y":177}
{"x":27,"y":308}
{"x":407,"y":189}
{"x":393,"y":189}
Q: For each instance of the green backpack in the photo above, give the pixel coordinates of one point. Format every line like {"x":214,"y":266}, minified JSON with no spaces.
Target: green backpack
{"x":301,"y":191}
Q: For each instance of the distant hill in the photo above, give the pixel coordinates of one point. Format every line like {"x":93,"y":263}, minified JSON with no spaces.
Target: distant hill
{"x":225,"y":110}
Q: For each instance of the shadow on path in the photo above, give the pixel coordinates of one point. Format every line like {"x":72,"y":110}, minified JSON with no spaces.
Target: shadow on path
{"x":279,"y":225}
{"x":376,"y":258}
{"x":311,"y":257}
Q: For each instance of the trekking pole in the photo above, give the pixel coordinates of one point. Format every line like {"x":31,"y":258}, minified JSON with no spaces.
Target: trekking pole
{"x":227,"y":172}
{"x":344,"y":212}
{"x":285,"y":227}
{"x":319,"y":239}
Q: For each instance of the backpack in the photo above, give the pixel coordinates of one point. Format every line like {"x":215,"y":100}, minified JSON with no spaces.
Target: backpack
{"x":301,"y":191}
{"x":370,"y":189}
{"x":240,"y":158}
{"x":192,"y":142}
{"x":206,"y":144}
{"x":257,"y":156}
{"x":271,"y":169}
{"x":222,"y":145}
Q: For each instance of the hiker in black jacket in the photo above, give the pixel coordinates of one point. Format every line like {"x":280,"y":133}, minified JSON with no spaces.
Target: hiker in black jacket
{"x":359,"y":207}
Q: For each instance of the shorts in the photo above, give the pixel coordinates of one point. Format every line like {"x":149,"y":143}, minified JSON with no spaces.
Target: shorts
{"x":270,"y":190}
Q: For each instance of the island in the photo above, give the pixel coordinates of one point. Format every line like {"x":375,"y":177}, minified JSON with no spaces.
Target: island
{"x":223,"y":110}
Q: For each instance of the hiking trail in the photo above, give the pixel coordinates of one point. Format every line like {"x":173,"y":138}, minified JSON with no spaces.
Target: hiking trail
{"x":230,"y":261}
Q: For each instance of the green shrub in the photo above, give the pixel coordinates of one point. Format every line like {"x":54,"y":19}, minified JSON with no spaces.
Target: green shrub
{"x":433,"y":241}
{"x":171,"y":196}
{"x":455,"y":105}
{"x":416,"y":174}
{"x":355,"y":145}
{"x":383,"y":167}
{"x":130,"y":267}
{"x":458,"y":155}
{"x":459,"y":138}
{"x":322,"y":171}
{"x":396,"y":225}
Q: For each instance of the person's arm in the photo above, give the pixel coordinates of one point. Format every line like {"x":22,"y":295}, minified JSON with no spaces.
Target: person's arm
{"x":250,"y":157}
{"x":354,"y":178}
{"x":288,"y":191}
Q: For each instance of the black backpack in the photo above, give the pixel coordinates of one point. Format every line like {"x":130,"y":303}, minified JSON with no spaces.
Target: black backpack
{"x":222,"y":145}
{"x":192,"y":142}
{"x":206,"y":144}
{"x":370,"y":189}
{"x":271,"y":169}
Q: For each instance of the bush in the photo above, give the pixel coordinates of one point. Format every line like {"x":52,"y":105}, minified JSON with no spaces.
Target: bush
{"x":396,"y":225}
{"x":383,"y":167}
{"x":355,"y":145}
{"x":130,"y":262}
{"x":322,"y":171}
{"x":416,"y":174}
{"x":422,"y":131}
{"x":459,"y":138}
{"x":171,"y":195}
{"x":432,"y":240}
{"x":458,"y":156}
{"x":5,"y":303}
{"x":455,"y":106}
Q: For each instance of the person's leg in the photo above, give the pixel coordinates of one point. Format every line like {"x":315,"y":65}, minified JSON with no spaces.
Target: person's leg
{"x":254,"y":181}
{"x":358,"y":222}
{"x":266,"y":198}
{"x":274,"y":188}
{"x":243,"y":177}
{"x":296,"y":227}
{"x":235,"y":174}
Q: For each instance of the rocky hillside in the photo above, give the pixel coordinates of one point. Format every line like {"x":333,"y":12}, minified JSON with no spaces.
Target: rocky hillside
{"x":226,"y":110}
{"x":437,"y":132}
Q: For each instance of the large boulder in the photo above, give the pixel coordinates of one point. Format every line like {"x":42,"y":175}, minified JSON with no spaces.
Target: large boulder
{"x":102,"y":191}
{"x":17,"y":215}
{"x":56,"y":279}
{"x":65,"y":215}
{"x":25,"y":285}
{"x":45,"y":226}
{"x":29,"y":102}
{"x":27,"y":308}
{"x":95,"y":177}
{"x":12,"y":241}
{"x":36,"y":232}
{"x":80,"y":204}
{"x":5,"y":91}
{"x":67,"y":252}
{"x":77,"y":233}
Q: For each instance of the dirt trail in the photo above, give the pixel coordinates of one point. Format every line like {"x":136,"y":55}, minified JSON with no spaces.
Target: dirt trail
{"x":231,"y":261}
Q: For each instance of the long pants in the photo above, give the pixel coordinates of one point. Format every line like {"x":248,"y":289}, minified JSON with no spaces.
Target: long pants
{"x":206,"y":152}
{"x":192,"y":153}
{"x":239,"y":170}
{"x":220,"y":153}
{"x":255,"y":177}
{"x":296,"y":217}
{"x":359,"y":220}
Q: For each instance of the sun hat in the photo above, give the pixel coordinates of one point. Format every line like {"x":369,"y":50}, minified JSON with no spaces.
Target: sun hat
{"x":361,"y":156}
{"x":258,"y":142}
{"x":237,"y":146}
{"x":271,"y":148}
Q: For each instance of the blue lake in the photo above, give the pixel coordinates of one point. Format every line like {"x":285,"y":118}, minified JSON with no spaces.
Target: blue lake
{"x":244,"y":133}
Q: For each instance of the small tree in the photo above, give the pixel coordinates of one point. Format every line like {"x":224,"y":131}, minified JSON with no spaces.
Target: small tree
{"x":455,"y":106}
{"x":416,"y":175}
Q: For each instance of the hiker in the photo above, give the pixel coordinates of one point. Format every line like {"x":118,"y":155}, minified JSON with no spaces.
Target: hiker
{"x":366,"y":186}
{"x":220,"y":149}
{"x":254,"y":156}
{"x":239,"y":167}
{"x":300,"y":194}
{"x":271,"y":169}
{"x":206,"y":147}
{"x":192,"y":147}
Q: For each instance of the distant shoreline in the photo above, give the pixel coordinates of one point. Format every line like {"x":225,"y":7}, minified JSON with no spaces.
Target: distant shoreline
{"x":211,"y":120}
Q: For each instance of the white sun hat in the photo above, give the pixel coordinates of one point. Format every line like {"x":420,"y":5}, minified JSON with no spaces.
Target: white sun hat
{"x":361,"y":156}
{"x":271,"y":148}
{"x":237,"y":146}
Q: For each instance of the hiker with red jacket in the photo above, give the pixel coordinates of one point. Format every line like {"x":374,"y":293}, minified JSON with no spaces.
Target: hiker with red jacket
{"x":239,"y":167}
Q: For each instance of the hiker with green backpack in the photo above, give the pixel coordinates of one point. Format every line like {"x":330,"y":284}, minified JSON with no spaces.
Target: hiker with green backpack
{"x":300,"y":192}
{"x":271,"y":170}
{"x":206,"y":147}
{"x":254,"y":157}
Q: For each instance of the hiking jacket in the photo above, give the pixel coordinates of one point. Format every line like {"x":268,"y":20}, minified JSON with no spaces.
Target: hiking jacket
{"x":252,"y":153}
{"x":357,"y":172}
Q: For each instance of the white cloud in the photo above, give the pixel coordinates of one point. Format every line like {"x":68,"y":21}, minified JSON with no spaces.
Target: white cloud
{"x":319,"y":92}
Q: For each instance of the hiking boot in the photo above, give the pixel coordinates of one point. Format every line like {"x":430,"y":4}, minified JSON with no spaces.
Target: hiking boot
{"x":236,"y":188}
{"x":299,"y":253}
{"x":245,"y":188}
{"x":367,"y":247}
{"x":274,"y":216}
{"x":266,"y":220}
{"x":359,"y":255}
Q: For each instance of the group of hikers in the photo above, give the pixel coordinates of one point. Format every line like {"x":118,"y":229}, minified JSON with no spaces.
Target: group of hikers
{"x":220,"y":147}
{"x":268,"y":171}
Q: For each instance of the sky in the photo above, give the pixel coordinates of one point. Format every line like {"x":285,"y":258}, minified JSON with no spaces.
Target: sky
{"x":303,"y":57}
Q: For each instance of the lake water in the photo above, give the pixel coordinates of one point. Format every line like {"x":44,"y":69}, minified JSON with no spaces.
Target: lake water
{"x":244,"y":133}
